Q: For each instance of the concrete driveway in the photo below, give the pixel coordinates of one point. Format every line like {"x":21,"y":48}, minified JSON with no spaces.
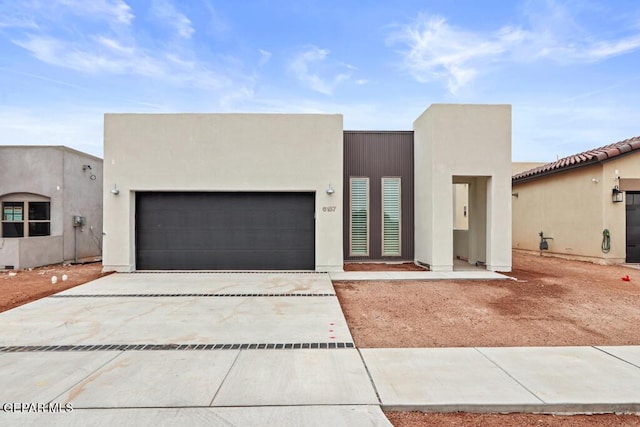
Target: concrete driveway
{"x":265,"y":349}
{"x":197,"y":348}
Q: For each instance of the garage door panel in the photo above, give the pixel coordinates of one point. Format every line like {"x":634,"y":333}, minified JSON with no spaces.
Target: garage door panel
{"x":212,"y":231}
{"x":222,"y":260}
{"x":236,"y":239}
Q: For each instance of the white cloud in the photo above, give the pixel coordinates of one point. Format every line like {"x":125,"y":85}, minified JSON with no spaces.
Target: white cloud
{"x":265,"y":56}
{"x":116,"y":10}
{"x":116,"y":49}
{"x":434,"y":50}
{"x":167,"y":13}
{"x":605,"y":49}
{"x":438,"y":51}
{"x":306,"y":67}
{"x":45,"y":14}
{"x":217,"y":22}
{"x":101,"y":54}
{"x":17,"y":22}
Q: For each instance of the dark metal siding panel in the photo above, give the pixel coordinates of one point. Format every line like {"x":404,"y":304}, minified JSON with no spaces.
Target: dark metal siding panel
{"x":376,"y":155}
{"x":225,"y":231}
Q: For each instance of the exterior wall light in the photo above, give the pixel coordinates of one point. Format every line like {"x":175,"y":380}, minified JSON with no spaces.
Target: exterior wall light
{"x":115,"y":190}
{"x":330,"y":190}
{"x":616,"y":195}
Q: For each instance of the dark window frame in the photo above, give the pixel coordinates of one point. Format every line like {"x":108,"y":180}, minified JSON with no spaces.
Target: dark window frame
{"x":29,"y":227}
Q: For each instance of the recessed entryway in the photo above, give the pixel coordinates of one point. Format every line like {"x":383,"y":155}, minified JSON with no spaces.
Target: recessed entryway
{"x":469,"y":222}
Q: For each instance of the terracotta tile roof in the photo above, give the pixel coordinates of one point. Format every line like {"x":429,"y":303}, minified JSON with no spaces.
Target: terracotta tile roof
{"x":581,"y":159}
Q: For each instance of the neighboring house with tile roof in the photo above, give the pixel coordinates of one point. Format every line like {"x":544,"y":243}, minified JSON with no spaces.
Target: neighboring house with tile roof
{"x":588,"y":203}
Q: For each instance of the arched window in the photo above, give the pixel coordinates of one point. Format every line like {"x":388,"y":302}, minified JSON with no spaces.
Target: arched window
{"x":25,"y":215}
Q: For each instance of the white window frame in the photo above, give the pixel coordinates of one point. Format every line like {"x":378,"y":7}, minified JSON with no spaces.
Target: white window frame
{"x":368,"y":198}
{"x":399,"y":208}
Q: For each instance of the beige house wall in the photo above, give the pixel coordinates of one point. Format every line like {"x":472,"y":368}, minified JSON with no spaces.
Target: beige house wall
{"x":221,"y":152}
{"x":463,"y":144}
{"x":574,"y":207}
{"x":565,"y":206}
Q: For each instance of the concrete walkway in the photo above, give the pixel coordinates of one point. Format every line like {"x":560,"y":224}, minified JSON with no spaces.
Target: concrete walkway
{"x":509,"y":379}
{"x":265,"y":349}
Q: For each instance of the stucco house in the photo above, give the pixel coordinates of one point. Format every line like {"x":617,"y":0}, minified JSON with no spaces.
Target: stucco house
{"x":298,"y":192}
{"x":51,"y":200}
{"x":587,"y":204}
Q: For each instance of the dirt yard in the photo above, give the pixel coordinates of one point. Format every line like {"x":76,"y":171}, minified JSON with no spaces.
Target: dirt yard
{"x":553,"y":302}
{"x":361,"y":266}
{"x":419,"y":419}
{"x":23,"y":286}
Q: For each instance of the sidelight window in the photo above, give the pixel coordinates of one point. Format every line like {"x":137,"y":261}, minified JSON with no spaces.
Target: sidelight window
{"x":391,"y":210}
{"x":359,"y":217}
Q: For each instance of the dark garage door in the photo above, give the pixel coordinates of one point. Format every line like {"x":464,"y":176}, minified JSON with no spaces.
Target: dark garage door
{"x":225,"y":231}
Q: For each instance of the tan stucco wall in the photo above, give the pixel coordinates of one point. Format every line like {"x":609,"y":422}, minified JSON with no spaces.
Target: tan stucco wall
{"x":457,"y":143}
{"x":565,"y":206}
{"x":221,"y":152}
{"x":574,"y":207}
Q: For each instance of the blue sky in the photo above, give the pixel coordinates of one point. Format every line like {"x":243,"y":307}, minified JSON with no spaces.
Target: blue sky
{"x":571,"y":69}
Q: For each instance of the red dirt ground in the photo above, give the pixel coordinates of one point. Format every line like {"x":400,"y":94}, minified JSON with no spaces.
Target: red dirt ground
{"x":419,"y":419}
{"x":554,"y":302}
{"x":362,"y":266}
{"x":22,"y":286}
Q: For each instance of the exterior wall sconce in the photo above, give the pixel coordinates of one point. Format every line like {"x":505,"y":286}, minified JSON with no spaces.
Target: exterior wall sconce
{"x":330,"y":190}
{"x":616,"y":195}
{"x":115,"y":190}
{"x":91,"y":174}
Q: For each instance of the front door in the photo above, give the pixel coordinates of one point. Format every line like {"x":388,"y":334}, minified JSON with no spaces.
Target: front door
{"x":633,"y":226}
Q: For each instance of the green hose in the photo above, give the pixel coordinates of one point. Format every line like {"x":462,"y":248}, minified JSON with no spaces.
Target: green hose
{"x":606,"y":241}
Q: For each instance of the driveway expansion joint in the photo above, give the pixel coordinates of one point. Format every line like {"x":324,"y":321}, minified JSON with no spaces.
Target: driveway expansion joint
{"x":177,"y":347}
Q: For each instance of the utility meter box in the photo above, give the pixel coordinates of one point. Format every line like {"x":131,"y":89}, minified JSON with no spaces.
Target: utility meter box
{"x":79,"y":221}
